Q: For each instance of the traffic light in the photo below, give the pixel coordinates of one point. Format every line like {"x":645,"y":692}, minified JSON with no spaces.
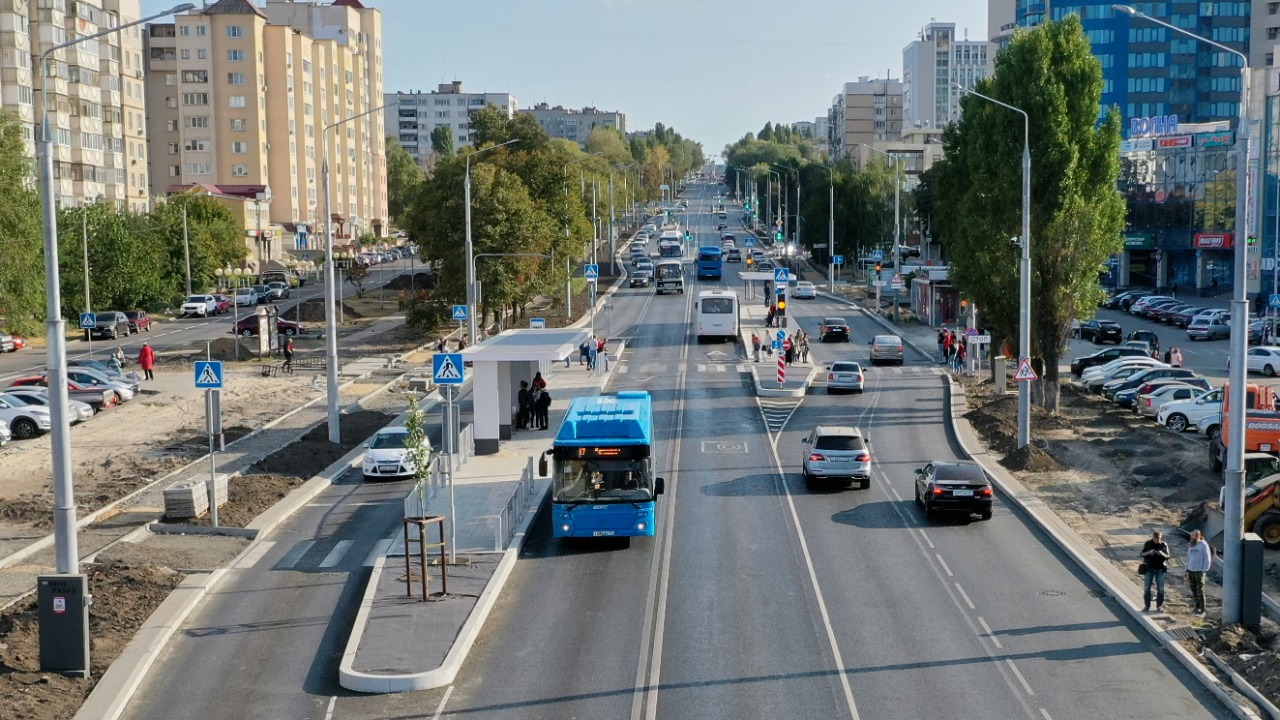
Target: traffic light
{"x":749,"y":261}
{"x":777,"y":235}
{"x":782,"y":306}
{"x":1251,"y":240}
{"x":877,"y":267}
{"x":688,"y":236}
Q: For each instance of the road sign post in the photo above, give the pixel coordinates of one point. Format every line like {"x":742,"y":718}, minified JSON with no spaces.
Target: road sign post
{"x":88,"y":322}
{"x":209,"y":377}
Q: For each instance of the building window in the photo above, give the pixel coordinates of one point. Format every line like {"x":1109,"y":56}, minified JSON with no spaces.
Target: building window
{"x":195,"y":76}
{"x":236,"y":101}
{"x":173,"y":148}
{"x":186,"y":54}
{"x":197,"y":145}
{"x":237,"y":125}
{"x":239,"y":148}
{"x":171,"y":79}
{"x":202,"y":30}
{"x":235,"y":56}
{"x":171,"y":125}
{"x":235,"y":78}
{"x":169,"y":102}
{"x":198,"y":121}
{"x":184,"y":30}
{"x":199,"y":168}
{"x":175,"y":170}
{"x":195,"y":98}
{"x":240,"y":170}
{"x":235,"y":31}
{"x":202,"y":54}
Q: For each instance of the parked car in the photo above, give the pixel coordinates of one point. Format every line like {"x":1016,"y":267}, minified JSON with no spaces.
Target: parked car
{"x":1100,"y":331}
{"x":18,"y":341}
{"x":834,"y":328}
{"x":224,"y":303}
{"x":386,"y":455}
{"x":1152,"y":309}
{"x":24,"y":420}
{"x":124,"y":388}
{"x":1138,"y":378}
{"x":1140,"y":306}
{"x":1264,"y":359}
{"x":1121,"y":301}
{"x":1147,"y":336}
{"x":1183,"y":317}
{"x":836,"y":453}
{"x":264,"y":294}
{"x":278,"y":289}
{"x":248,"y":326}
{"x":97,"y":397}
{"x":1208,"y":328}
{"x":886,"y":348}
{"x":77,"y":411}
{"x":139,"y":320}
{"x":109,"y":325}
{"x":8,"y":343}
{"x":804,"y":289}
{"x":1203,"y":410}
{"x":1098,"y":371}
{"x":1102,"y":357}
{"x":1096,"y":383}
{"x":200,"y":305}
{"x":1148,"y":404}
{"x":247,"y":297}
{"x":844,"y":375}
{"x":954,"y":486}
{"x":98,"y":365}
{"x":1211,"y":427}
{"x":1264,"y":330}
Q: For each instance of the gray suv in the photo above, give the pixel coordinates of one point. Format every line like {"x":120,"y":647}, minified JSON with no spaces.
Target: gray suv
{"x":110,"y":325}
{"x":836,"y":453}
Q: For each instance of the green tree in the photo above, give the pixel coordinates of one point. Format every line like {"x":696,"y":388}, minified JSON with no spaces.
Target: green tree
{"x":22,"y":277}
{"x":418,"y":452}
{"x":404,"y":175}
{"x":1076,"y":214}
{"x":611,"y":144}
{"x":215,"y":237}
{"x":127,"y":269}
{"x":441,"y":141}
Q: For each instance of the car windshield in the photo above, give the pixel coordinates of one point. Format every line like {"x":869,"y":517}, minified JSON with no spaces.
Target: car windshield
{"x":386,"y":441}
{"x":839,"y":442}
{"x":196,"y":299}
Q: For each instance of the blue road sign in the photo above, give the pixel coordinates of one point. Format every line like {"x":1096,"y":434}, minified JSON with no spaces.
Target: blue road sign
{"x":591,"y":272}
{"x":748,"y":242}
{"x":781,"y":335}
{"x":837,"y":259}
{"x":777,"y":345}
{"x":1275,"y":301}
{"x":781,"y":275}
{"x":459,"y":312}
{"x":306,"y":256}
{"x":208,"y":375}
{"x":448,"y":369}
{"x":88,"y":321}
{"x":877,"y":255}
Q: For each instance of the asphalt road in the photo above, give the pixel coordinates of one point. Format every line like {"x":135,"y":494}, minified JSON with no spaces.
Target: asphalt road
{"x":761,"y":598}
{"x":184,"y":332}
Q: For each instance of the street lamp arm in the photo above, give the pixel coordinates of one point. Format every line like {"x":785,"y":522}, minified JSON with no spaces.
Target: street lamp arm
{"x":1026,"y":119}
{"x":1134,"y":12}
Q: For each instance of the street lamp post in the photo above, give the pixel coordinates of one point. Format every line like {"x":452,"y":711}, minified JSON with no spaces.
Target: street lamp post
{"x":471,"y":276}
{"x":1024,"y":269}
{"x":333,"y":291}
{"x":1233,"y":505}
{"x":67,"y":551}
{"x":568,"y":280}
{"x":831,"y":225}
{"x":897,"y":223}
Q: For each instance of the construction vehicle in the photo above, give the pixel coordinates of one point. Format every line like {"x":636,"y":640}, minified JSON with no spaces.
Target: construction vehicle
{"x":1261,"y":506}
{"x":1262,"y":424}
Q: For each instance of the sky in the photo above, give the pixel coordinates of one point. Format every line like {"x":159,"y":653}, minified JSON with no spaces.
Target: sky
{"x":711,"y":69}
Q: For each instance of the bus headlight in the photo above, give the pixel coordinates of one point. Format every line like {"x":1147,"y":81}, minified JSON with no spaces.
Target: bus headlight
{"x":640,"y":526}
{"x":565,"y":527}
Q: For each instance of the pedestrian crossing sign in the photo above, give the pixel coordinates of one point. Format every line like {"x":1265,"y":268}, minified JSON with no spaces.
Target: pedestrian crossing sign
{"x":459,"y":312}
{"x":591,"y":272}
{"x":447,"y":369}
{"x":781,"y":275}
{"x":208,"y":375}
{"x":1024,"y":371}
{"x":1275,"y":301}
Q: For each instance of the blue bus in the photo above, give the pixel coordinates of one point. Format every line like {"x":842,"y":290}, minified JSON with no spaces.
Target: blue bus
{"x":710,"y":262}
{"x":602,"y":483}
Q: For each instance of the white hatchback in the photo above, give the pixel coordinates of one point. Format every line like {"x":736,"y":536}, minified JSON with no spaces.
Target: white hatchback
{"x":386,"y":455}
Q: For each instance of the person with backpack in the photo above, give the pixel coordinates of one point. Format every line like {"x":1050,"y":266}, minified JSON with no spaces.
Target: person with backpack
{"x":541,"y":406}
{"x":583,"y":352}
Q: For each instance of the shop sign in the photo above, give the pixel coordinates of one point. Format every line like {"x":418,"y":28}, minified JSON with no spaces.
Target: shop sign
{"x":1215,"y":139}
{"x":1156,"y":125}
{"x":1174,"y":142}
{"x":1139,"y":241}
{"x":1139,"y":145}
{"x":1213,"y":241}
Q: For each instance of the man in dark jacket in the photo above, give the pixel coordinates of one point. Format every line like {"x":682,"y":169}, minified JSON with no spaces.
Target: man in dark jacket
{"x":525,"y":400}
{"x":1155,"y":556}
{"x":541,"y":405}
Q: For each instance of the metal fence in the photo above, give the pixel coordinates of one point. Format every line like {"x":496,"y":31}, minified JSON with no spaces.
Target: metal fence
{"x":508,"y":520}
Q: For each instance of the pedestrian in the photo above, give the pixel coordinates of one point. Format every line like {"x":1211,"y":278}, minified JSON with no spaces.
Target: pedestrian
{"x":1155,"y":556}
{"x":602,"y":351}
{"x":462,"y":344}
{"x":755,"y":346}
{"x":524,"y":398}
{"x":147,"y":360}
{"x":947,"y":341}
{"x":583,"y":352}
{"x":288,"y":355}
{"x":942,"y":337}
{"x":804,"y":349}
{"x":442,"y":346}
{"x":1168,"y":356}
{"x":1175,"y":357}
{"x":1199,"y":560}
{"x":789,"y":348}
{"x":769,"y":315}
{"x":117,"y":359}
{"x":961,"y":354}
{"x":1213,"y":287}
{"x":1173,"y":289}
{"x":539,"y":382}
{"x":541,"y":406}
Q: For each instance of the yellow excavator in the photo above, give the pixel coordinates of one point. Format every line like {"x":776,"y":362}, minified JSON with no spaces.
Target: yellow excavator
{"x":1261,"y":505}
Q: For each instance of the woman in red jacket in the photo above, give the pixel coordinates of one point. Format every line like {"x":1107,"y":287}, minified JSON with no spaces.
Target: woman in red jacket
{"x":147,"y":360}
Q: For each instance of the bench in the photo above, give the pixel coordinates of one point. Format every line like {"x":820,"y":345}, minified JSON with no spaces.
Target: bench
{"x":305,"y":363}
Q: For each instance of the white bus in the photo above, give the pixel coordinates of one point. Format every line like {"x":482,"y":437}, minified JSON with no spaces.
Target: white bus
{"x":715,"y":315}
{"x":668,"y":276}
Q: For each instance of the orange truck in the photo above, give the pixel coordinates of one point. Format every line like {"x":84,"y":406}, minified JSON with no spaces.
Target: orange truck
{"x":1262,"y":424}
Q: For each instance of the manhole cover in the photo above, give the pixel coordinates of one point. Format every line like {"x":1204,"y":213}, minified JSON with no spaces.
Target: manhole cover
{"x":1052,"y":593}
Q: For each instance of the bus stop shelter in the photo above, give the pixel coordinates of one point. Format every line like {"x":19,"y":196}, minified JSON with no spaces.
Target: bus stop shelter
{"x":497,"y":367}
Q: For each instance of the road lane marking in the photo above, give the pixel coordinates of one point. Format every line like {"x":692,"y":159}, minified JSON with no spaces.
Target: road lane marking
{"x":254,"y":555}
{"x":1018,"y":673}
{"x":926,"y":539}
{"x":990,"y":633}
{"x":965,"y":595}
{"x":1045,"y":713}
{"x":944,"y":565}
{"x":894,"y":491}
{"x":379,"y":549}
{"x":335,"y":555}
{"x":333,"y":700}
{"x":440,"y":708}
{"x":294,"y":555}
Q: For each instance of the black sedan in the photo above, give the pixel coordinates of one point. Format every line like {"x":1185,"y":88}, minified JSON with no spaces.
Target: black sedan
{"x":1101,"y":331}
{"x":834,"y":328}
{"x":954,"y":486}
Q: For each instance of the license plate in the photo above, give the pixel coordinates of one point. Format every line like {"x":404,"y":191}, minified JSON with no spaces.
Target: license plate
{"x":602,"y":533}
{"x":962,"y":493}
{"x":387,"y":468}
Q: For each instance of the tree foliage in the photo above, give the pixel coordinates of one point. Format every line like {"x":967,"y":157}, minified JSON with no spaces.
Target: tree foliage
{"x":442,"y":141}
{"x":403,"y":175}
{"x":22,"y":277}
{"x":1076,"y":215}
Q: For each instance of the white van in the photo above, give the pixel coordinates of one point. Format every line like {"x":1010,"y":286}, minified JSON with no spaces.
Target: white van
{"x":715,"y":315}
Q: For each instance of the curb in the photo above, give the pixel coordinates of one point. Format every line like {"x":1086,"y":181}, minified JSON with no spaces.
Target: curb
{"x":881,"y":321}
{"x":762,"y":391}
{"x":1084,"y":556}
{"x":445,"y":674}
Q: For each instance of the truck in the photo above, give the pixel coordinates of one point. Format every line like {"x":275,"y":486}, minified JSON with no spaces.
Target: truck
{"x":1262,"y":424}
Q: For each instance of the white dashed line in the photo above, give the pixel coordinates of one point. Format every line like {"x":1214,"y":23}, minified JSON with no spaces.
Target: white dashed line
{"x":943,"y":563}
{"x":440,"y":708}
{"x":295,"y":554}
{"x":894,"y":493}
{"x":333,"y":701}
{"x":965,"y":595}
{"x":990,"y":633}
{"x":1017,"y":673}
{"x":335,"y":555}
{"x":926,"y":539}
{"x":1046,"y":714}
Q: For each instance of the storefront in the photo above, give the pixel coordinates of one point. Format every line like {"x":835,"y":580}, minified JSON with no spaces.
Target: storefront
{"x":1214,"y":260}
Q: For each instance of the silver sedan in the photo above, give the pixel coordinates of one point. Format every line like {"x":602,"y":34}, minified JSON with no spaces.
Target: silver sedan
{"x":844,"y":375}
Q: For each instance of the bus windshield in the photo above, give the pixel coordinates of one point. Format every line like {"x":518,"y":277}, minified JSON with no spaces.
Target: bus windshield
{"x":668,"y":271}
{"x":603,"y":481}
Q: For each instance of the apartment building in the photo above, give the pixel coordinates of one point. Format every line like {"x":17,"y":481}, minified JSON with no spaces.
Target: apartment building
{"x":575,"y":125}
{"x":866,"y":111}
{"x":240,"y":97}
{"x":930,"y":66}
{"x":96,"y":95}
{"x":411,"y":116}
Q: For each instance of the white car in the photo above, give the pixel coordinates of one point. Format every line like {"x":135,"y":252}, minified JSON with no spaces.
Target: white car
{"x":24,"y":421}
{"x":386,"y":455}
{"x":39,"y":395}
{"x":202,"y":305}
{"x":124,"y":388}
{"x":804,"y":289}
{"x":1149,"y":405}
{"x":1203,"y":412}
{"x":1121,"y":373}
{"x":1264,"y":359}
{"x":247,"y":296}
{"x":1093,"y":373}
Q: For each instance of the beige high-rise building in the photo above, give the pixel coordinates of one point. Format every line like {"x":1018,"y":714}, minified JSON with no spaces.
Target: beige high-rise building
{"x":867,"y":111}
{"x":96,"y":95}
{"x":240,"y":95}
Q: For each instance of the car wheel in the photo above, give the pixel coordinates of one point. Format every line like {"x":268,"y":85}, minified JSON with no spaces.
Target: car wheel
{"x":290,"y":331}
{"x":866,"y":484}
{"x":986,"y":515}
{"x":246,"y":333}
{"x":1268,"y":370}
{"x":917,"y":494}
{"x":24,"y":428}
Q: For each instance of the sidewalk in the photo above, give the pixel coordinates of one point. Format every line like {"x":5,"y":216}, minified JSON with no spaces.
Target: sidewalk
{"x":765,"y":373}
{"x":399,"y":643}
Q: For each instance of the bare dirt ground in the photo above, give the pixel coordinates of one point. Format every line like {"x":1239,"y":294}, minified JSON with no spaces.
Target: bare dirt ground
{"x":1116,"y":478}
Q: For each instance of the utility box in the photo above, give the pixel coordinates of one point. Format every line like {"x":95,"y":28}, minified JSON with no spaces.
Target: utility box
{"x":63,"y":611}
{"x":999,"y":373}
{"x":1251,"y":573}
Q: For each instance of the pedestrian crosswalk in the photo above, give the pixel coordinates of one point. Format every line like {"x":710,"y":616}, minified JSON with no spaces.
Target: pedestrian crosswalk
{"x":624,"y":368}
{"x":318,"y":555}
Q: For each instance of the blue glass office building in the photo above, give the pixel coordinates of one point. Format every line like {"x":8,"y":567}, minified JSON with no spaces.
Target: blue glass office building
{"x":1176,"y":212}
